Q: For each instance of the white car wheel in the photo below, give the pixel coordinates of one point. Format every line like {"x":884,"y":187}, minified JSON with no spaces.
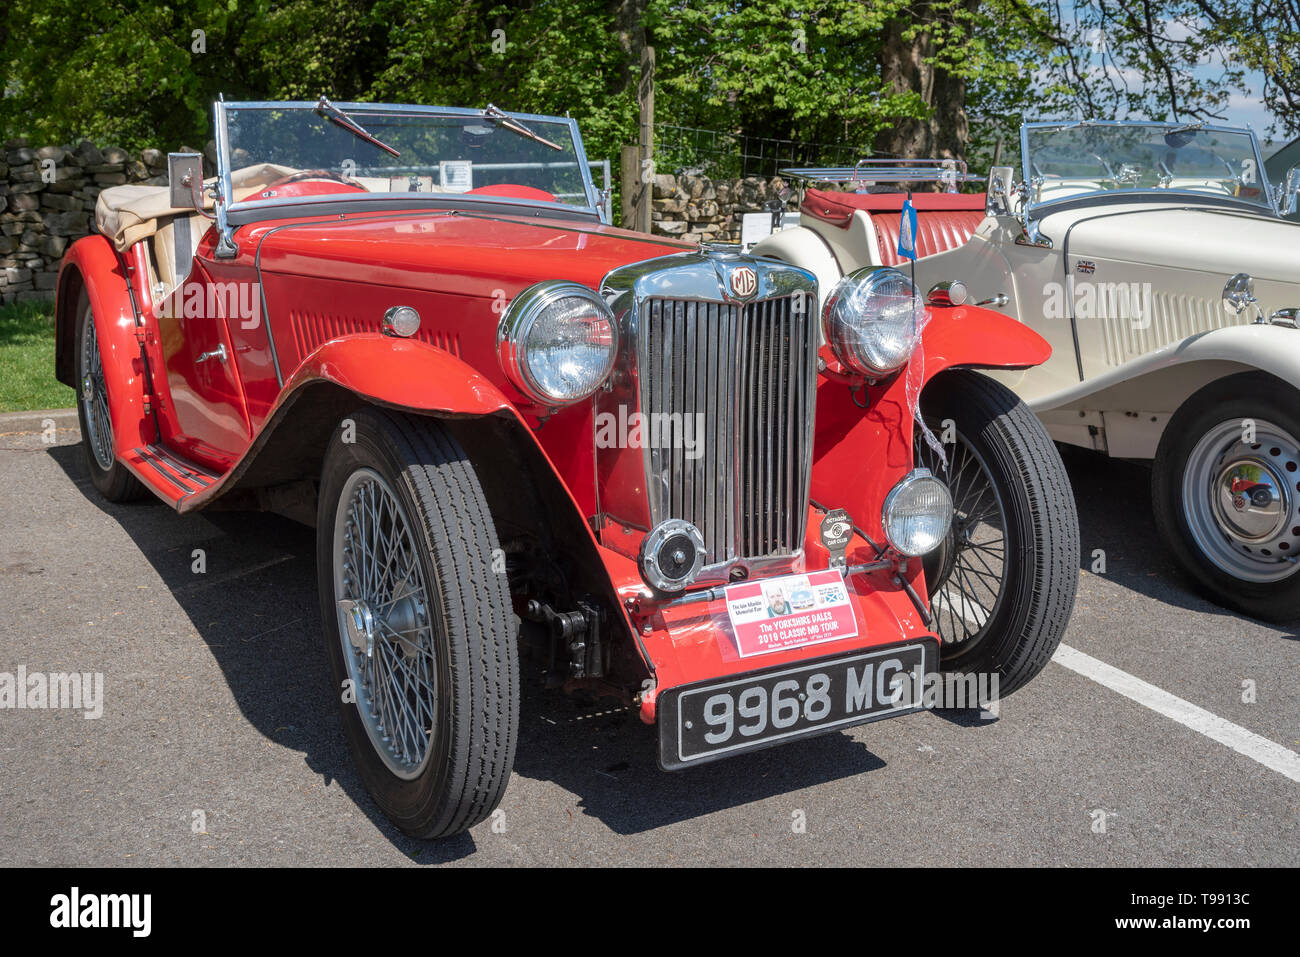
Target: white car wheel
{"x":1240,"y":499}
{"x":1225,"y":492}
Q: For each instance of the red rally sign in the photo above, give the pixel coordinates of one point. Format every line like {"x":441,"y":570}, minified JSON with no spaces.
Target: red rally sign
{"x":790,"y":612}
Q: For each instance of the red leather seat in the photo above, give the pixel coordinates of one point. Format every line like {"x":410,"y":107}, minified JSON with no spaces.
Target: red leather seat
{"x":936,"y":232}
{"x":943,"y":220}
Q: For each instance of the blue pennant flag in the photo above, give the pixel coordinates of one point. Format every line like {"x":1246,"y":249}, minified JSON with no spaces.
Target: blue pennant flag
{"x":907,"y":230}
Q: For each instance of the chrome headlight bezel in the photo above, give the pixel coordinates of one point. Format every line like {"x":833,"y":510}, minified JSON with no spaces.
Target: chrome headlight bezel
{"x":520,"y":319}
{"x":909,"y":484}
{"x":850,"y":317}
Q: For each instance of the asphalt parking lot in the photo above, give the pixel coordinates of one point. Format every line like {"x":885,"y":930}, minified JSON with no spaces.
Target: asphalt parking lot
{"x":219,"y":744}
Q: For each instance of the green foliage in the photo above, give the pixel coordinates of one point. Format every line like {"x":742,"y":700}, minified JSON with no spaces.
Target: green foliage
{"x":548,"y":56}
{"x":804,"y":69}
{"x":137,"y":74}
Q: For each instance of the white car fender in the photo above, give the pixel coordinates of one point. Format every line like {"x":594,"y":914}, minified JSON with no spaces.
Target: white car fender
{"x":1128,"y":407}
{"x":802,"y":247}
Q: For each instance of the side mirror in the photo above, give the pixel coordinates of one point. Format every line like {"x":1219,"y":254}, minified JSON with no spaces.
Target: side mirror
{"x":998,"y":202}
{"x":185,"y":180}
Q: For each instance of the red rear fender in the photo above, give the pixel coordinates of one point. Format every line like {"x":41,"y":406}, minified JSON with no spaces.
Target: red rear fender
{"x":91,"y":264}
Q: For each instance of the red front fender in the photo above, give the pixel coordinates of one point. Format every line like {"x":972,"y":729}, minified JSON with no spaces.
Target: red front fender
{"x":974,"y":337}
{"x":404,"y":373}
{"x":863,"y":443}
{"x":382,"y":370}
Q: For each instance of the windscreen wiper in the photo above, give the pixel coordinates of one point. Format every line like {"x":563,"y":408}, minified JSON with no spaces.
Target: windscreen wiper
{"x":500,"y":117}
{"x":332,"y":113}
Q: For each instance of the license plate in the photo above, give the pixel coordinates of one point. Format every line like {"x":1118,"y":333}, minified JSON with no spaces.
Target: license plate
{"x":699,"y":723}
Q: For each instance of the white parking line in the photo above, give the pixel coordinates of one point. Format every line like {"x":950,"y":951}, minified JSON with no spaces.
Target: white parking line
{"x":1268,"y":753}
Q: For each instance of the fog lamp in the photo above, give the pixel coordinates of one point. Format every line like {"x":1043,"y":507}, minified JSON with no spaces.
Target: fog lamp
{"x":917,"y":513}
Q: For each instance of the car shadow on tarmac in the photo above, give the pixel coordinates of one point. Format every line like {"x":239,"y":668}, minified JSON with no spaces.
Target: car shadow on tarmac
{"x":256,"y":608}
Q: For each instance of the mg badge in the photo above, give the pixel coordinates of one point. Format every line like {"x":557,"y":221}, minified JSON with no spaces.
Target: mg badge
{"x":743,"y":282}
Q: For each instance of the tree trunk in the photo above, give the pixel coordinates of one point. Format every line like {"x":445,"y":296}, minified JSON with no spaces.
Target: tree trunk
{"x":945,"y":133}
{"x":629,"y":30}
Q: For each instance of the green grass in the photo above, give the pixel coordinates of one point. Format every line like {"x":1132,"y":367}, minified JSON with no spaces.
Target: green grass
{"x":27,"y":359}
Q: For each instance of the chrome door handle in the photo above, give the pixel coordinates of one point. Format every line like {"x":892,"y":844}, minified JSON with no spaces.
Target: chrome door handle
{"x":219,"y":353}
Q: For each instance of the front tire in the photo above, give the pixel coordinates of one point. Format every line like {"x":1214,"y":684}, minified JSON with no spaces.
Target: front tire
{"x":1225,"y":491}
{"x":1002,"y":584}
{"x":419,"y":627}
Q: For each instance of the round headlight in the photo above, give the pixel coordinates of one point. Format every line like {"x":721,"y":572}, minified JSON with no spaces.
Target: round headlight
{"x":872,"y":320}
{"x":917,"y":513}
{"x":557,"y":342}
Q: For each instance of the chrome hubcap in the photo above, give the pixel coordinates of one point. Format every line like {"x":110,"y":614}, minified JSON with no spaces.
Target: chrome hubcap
{"x":1250,"y":501}
{"x":1240,"y":500}
{"x":384,"y":624}
{"x":94,"y":397}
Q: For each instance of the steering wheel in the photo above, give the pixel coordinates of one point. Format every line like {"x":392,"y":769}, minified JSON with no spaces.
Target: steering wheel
{"x":306,"y":174}
{"x":1105,"y":164}
{"x":1034,"y":167}
{"x":1236,"y":176}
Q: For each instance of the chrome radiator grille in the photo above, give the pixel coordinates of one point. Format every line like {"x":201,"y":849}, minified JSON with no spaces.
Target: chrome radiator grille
{"x":748,"y":370}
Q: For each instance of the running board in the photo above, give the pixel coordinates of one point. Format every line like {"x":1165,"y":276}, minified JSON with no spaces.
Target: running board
{"x":170,"y":476}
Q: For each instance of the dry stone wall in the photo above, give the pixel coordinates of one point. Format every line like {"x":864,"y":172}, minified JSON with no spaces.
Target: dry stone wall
{"x":47,"y":200}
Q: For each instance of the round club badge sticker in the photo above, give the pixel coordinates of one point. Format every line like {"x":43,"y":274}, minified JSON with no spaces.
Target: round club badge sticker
{"x":836,"y":530}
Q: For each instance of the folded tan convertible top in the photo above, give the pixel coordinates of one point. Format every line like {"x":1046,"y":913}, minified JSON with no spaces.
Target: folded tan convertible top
{"x":128,"y":214}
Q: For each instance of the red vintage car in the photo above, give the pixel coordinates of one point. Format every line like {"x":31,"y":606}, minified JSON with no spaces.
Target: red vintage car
{"x":514,"y":425}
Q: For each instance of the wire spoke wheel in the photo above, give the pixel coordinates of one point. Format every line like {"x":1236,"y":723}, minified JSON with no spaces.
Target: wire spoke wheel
{"x":420,"y":631}
{"x":966,"y":574}
{"x":94,"y":396}
{"x":384,"y":623}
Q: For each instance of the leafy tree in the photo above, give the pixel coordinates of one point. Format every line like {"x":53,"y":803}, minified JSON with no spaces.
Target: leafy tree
{"x":141,"y":74}
{"x":913,"y":77}
{"x":803,"y":69}
{"x":546,"y":56}
{"x":1163,"y":59}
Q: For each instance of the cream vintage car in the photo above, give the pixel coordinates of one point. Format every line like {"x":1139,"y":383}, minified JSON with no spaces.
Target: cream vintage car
{"x":1155,"y":259}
